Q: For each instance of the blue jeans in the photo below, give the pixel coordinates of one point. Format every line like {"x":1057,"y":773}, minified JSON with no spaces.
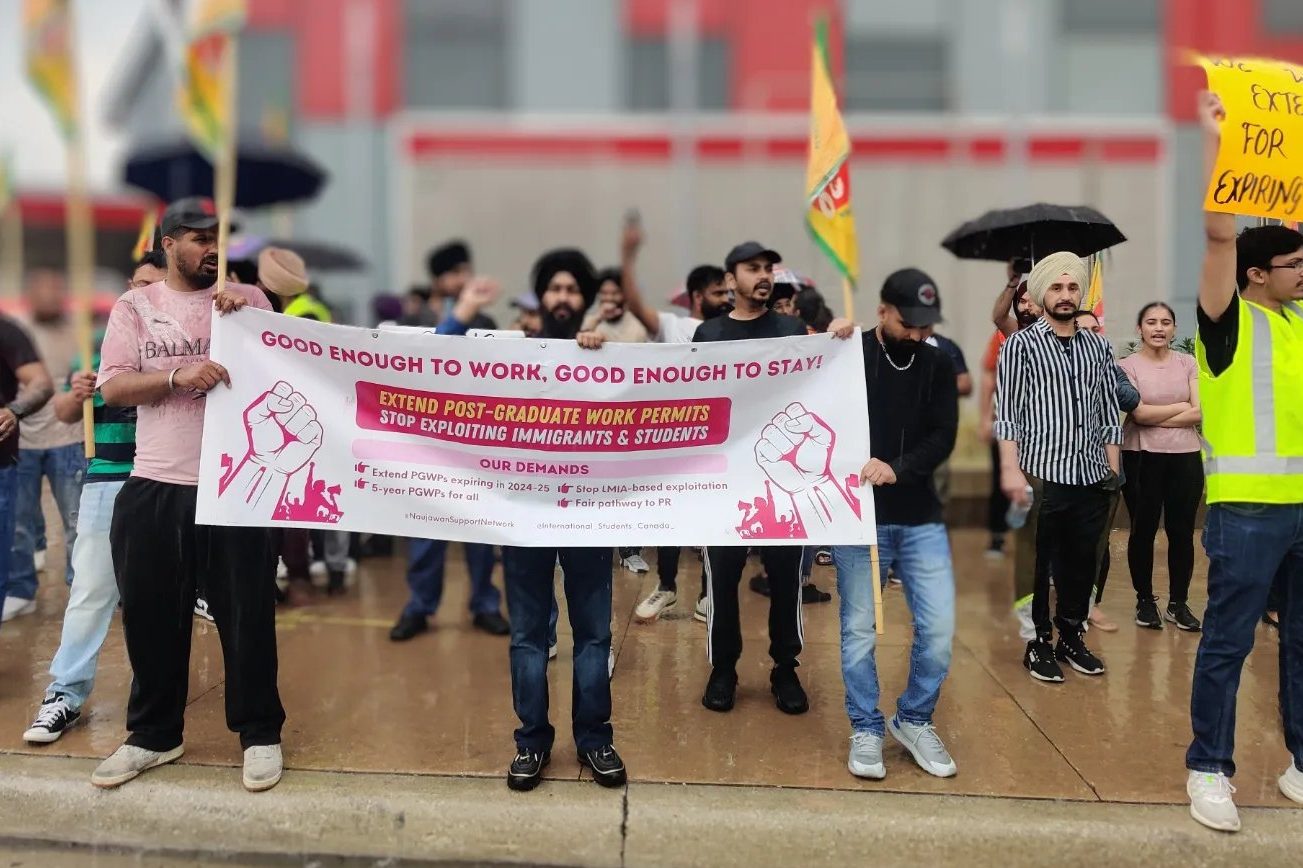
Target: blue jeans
{"x":425,"y":560}
{"x":587,"y":581}
{"x":920,"y":555}
{"x":8,"y":491}
{"x":64,"y":466}
{"x":93,"y":598}
{"x":1247,"y":543}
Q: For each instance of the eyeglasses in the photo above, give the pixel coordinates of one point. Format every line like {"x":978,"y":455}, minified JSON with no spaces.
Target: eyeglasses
{"x":1296,"y":265}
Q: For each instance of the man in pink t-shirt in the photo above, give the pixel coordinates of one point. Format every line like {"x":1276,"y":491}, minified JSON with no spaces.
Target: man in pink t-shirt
{"x":155,"y":358}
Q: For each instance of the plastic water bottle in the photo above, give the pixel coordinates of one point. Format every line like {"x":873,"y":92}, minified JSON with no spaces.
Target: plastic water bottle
{"x":1016,"y":517}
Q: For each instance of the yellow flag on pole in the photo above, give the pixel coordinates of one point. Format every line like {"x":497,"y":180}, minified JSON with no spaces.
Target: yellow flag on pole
{"x":1095,"y":293}
{"x":47,"y":35}
{"x":145,"y":240}
{"x":202,"y":101}
{"x":827,"y":179}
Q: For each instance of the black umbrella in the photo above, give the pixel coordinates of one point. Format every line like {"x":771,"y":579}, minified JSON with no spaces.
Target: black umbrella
{"x":317,"y":255}
{"x":1033,"y":231}
{"x":264,"y":175}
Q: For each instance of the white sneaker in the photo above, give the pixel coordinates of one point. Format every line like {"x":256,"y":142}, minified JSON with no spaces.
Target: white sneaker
{"x":38,"y":559}
{"x":1291,"y":783}
{"x":129,"y":761}
{"x":658,"y":601}
{"x":17,"y":607}
{"x":1026,"y":626}
{"x":635,"y":564}
{"x":201,"y":609}
{"x":865,"y":759}
{"x":1210,"y":801}
{"x":922,"y":741}
{"x":317,"y":568}
{"x":702,"y":612}
{"x":282,"y":571}
{"x":262,"y":767}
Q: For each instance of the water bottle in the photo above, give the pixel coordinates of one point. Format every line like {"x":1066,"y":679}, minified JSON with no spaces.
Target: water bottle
{"x":1016,"y":517}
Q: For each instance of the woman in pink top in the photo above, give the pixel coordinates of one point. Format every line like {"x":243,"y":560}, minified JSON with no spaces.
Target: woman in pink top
{"x":1163,"y":467}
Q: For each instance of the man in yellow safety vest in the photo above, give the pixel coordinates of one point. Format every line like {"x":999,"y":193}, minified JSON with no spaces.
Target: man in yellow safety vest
{"x":1250,"y":354}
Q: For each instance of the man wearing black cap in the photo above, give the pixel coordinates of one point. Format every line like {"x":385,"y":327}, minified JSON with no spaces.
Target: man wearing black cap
{"x":450,"y":271}
{"x":155,"y":358}
{"x":749,"y":274}
{"x":566,"y":285}
{"x":913,"y":417}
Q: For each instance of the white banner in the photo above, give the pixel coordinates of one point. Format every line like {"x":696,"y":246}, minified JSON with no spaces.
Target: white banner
{"x":525,"y":442}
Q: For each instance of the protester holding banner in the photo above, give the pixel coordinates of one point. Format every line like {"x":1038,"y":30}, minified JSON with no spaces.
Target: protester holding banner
{"x":913,"y":417}
{"x":566,"y":286}
{"x":1058,"y":424}
{"x":25,"y":387}
{"x":1250,"y":350}
{"x":93,"y":596}
{"x":749,"y":273}
{"x":156,"y":357}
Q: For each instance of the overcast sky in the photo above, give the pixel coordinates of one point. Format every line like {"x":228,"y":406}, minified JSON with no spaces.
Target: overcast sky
{"x":104,"y":30}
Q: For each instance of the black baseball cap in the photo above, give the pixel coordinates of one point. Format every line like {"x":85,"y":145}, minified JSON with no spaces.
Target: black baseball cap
{"x":750,"y":250}
{"x":192,"y":212}
{"x":915,"y":295}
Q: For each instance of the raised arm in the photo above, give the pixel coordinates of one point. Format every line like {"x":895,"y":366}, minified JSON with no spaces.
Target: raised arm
{"x":1217,"y":282}
{"x":630,"y":242}
{"x":1002,"y":314}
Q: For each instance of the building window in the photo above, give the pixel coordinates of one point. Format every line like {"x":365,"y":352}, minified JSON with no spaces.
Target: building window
{"x":1282,"y":16}
{"x":647,"y":82}
{"x":896,"y":73}
{"x":455,"y":54}
{"x":1113,"y":17}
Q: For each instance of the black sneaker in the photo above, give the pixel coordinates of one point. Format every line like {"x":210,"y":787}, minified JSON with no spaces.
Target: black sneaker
{"x":1039,"y":661}
{"x":1147,"y":614}
{"x":811,"y":594}
{"x":787,"y":690}
{"x":1073,"y":651}
{"x":54,"y":718}
{"x":336,"y":585}
{"x":606,"y":765}
{"x":527,"y":769}
{"x":721,"y":689}
{"x":759,"y":584}
{"x":1180,"y":615}
{"x":492,"y":623}
{"x":407,"y":627}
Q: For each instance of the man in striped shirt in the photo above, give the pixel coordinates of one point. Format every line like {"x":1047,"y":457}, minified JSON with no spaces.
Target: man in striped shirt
{"x":1057,"y":420}
{"x":94,"y":593}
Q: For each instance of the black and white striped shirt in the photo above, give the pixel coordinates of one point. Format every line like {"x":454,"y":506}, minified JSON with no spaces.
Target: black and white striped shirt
{"x":1058,"y":401}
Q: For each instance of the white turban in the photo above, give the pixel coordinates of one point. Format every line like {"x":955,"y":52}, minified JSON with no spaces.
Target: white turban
{"x":1048,"y":270}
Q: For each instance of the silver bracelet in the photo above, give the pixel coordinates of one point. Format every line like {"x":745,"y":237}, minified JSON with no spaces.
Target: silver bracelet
{"x":171,"y":380}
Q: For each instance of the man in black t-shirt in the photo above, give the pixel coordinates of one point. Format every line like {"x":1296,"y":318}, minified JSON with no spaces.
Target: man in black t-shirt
{"x":749,"y":273}
{"x":25,"y":387}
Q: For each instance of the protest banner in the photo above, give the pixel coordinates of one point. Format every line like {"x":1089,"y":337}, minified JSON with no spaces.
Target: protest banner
{"x":1259,"y":169}
{"x":536,"y":443}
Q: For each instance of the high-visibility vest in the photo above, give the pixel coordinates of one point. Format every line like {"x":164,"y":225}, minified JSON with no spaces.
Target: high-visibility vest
{"x":1253,"y":410}
{"x":307,"y":306}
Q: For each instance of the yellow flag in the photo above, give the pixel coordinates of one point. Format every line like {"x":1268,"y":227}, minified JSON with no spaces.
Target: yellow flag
{"x":47,"y":34}
{"x":827,"y":179}
{"x":203,"y":100}
{"x":1095,"y":294}
{"x":145,"y":240}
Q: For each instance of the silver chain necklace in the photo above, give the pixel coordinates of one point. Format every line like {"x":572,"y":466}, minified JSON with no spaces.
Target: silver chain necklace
{"x":891,"y":361}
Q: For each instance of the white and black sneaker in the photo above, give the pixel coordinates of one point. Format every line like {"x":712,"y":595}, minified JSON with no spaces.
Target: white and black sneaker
{"x":1180,"y":615}
{"x":1147,"y":614}
{"x":54,"y":718}
{"x":1039,"y":661}
{"x":1073,"y":651}
{"x":606,"y":765}
{"x":527,"y":769}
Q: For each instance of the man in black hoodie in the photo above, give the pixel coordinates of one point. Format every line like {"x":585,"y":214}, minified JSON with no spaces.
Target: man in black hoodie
{"x":913,"y":417}
{"x":566,"y":285}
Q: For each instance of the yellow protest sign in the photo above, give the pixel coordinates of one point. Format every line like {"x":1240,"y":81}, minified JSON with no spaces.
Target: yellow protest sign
{"x":1259,"y":168}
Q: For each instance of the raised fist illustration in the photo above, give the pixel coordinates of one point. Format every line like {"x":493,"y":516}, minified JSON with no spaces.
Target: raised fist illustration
{"x":794,"y":450}
{"x":284,"y":435}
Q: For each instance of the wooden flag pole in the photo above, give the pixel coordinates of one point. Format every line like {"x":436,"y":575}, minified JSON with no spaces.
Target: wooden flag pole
{"x":224,"y":167}
{"x":80,"y":232}
{"x":11,"y":249}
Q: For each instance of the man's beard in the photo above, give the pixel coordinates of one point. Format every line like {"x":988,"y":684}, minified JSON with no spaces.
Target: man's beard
{"x":564,"y":327}
{"x":1064,"y":315}
{"x":1026,"y":318}
{"x":197,"y":278}
{"x":710,"y":311}
{"x":899,"y":348}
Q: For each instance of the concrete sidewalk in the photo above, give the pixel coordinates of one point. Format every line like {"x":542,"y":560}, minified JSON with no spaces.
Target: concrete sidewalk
{"x":351,"y":818}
